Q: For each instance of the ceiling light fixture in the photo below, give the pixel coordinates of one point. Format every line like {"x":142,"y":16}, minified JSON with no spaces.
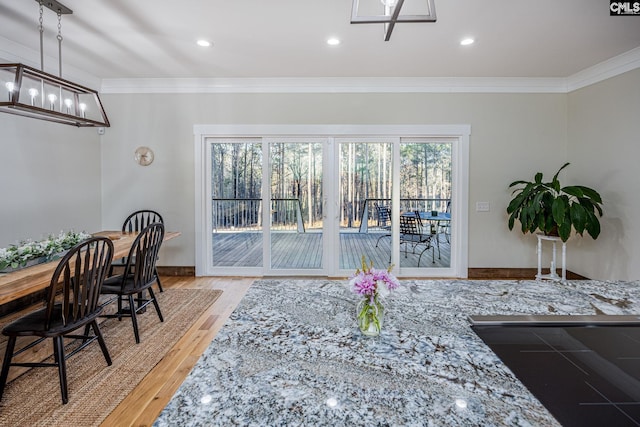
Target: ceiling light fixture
{"x":391,"y":14}
{"x":203,"y":43}
{"x":333,"y":41}
{"x":467,"y":41}
{"x":33,"y":93}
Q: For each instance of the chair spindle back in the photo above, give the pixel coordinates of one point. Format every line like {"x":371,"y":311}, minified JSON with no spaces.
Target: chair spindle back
{"x":77,"y":281}
{"x":141,"y":219}
{"x":141,"y":262}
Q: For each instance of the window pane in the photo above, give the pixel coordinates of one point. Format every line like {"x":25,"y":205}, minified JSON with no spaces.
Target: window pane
{"x":296,"y":205}
{"x":425,"y":194}
{"x":236,"y":201}
{"x":365,"y":204}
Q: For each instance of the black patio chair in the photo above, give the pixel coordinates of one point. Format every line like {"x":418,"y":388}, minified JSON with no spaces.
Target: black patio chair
{"x":412,"y":234}
{"x":71,"y":304}
{"x":383,"y":220}
{"x":431,"y":228}
{"x":445,"y":226}
{"x":139,"y":275}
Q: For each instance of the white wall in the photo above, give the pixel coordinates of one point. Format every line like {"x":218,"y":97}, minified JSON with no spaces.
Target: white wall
{"x":604,"y":147}
{"x":512,"y":137}
{"x":50,"y":179}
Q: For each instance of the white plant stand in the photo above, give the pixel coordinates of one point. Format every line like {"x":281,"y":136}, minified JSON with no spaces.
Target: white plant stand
{"x":553,"y":275}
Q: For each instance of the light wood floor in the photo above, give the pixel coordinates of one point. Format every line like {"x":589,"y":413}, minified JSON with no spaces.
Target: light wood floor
{"x":147,"y":400}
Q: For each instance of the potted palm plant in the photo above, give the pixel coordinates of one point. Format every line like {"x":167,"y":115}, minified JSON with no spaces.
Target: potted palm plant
{"x":555,"y":210}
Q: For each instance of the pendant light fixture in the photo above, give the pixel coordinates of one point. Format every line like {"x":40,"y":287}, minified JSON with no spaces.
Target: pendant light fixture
{"x":391,"y":14}
{"x":29,"y":92}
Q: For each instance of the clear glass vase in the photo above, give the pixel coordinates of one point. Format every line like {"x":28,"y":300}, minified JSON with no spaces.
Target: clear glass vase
{"x":370,"y":316}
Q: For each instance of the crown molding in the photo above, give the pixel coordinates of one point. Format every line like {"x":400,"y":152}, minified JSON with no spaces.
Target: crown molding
{"x":336,"y":85}
{"x":617,"y":65}
{"x":610,"y":68}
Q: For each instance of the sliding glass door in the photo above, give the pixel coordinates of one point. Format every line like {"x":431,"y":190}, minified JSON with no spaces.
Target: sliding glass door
{"x":296,"y":205}
{"x":327,"y":201}
{"x":366,"y":208}
{"x":425,"y":203}
{"x":236,"y":202}
{"x":364,"y":193}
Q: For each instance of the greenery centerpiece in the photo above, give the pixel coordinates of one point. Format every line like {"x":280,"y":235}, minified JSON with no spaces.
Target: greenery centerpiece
{"x":372,"y":285}
{"x":19,"y":256}
{"x":555,"y":210}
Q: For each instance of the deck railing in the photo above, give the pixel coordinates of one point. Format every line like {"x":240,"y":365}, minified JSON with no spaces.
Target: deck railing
{"x":286,"y":214}
{"x":246,"y":214}
{"x":369,"y":215}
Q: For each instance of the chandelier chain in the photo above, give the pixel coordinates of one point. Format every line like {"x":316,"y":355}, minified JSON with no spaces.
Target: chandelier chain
{"x":59,"y":37}
{"x":37,"y":94}
{"x":40,"y":27}
{"x":41,"y":30}
{"x":59,"y":26}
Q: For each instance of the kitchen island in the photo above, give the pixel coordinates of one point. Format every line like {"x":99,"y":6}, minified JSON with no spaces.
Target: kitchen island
{"x":291,"y":354}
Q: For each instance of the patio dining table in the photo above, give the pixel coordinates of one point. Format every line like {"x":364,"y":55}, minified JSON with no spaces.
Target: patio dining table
{"x":29,"y":280}
{"x":434,"y":220}
{"x":441,"y":216}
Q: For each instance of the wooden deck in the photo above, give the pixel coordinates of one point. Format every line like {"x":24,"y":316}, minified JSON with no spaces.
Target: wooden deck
{"x":291,"y":250}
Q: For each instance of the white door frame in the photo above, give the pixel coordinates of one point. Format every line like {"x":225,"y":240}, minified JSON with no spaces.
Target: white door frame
{"x":460,"y":182}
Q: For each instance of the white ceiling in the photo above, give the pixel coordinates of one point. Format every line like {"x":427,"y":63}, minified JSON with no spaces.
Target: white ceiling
{"x":111,"y":39}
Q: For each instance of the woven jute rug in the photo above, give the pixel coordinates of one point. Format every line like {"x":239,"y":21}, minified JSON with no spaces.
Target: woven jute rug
{"x":95,"y":389}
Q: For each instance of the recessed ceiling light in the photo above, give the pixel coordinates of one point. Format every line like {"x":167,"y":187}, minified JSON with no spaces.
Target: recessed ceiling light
{"x":204,"y":43}
{"x":467,"y":41}
{"x":333,"y":41}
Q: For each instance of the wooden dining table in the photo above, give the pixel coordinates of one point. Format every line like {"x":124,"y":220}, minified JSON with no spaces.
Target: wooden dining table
{"x":29,"y":280}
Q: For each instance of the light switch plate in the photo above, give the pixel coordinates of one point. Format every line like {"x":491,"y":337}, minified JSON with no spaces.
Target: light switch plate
{"x":483,"y":206}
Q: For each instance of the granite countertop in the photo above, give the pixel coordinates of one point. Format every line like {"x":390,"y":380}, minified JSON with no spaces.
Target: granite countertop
{"x":291,"y":354}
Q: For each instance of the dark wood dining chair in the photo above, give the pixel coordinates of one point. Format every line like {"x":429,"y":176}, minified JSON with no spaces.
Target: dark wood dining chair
{"x":139,"y":275}
{"x":71,"y":304}
{"x":134,"y":223}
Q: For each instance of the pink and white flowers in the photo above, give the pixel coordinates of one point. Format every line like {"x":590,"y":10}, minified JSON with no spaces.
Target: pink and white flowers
{"x":371,"y":282}
{"x":372,"y":285}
